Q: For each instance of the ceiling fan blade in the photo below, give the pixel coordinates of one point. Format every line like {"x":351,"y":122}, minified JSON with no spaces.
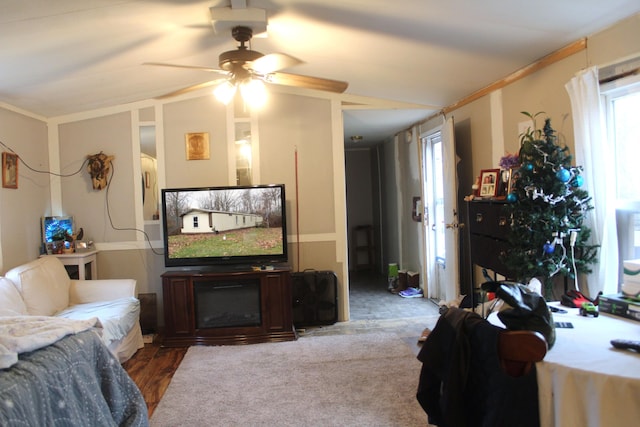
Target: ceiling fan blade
{"x":190,"y":88}
{"x":273,"y":62}
{"x":193,"y":67}
{"x":308,"y":82}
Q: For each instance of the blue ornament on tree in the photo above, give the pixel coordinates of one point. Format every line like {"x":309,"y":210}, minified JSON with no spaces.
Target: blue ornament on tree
{"x":548,"y":248}
{"x":528,"y":166}
{"x":578,"y":181}
{"x":512,"y":198}
{"x":563,"y":175}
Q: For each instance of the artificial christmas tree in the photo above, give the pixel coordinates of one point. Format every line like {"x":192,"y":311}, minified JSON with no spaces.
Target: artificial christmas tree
{"x":547,"y":206}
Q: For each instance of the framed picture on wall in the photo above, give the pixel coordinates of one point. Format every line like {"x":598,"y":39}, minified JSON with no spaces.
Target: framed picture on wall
{"x":489,"y":182}
{"x":9,"y":170}
{"x":197,"y":145}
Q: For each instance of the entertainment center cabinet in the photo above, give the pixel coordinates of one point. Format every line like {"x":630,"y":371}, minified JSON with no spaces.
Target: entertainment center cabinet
{"x":213,"y":307}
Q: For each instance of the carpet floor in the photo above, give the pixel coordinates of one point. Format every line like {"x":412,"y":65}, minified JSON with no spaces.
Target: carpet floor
{"x":341,"y":380}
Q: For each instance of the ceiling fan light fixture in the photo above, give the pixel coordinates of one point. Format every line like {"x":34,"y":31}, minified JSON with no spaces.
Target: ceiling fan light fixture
{"x":248,"y":69}
{"x":225,"y":92}
{"x":253,"y":92}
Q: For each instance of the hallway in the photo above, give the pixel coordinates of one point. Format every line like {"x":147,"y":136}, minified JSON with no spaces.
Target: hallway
{"x":369,"y":299}
{"x":375,"y":309}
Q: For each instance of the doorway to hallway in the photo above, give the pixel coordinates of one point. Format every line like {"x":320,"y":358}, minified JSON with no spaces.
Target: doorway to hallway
{"x":366,"y":186}
{"x":369,"y":299}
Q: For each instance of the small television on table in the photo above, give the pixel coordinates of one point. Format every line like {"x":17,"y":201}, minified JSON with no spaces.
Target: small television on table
{"x":217,"y":226}
{"x":56,"y":229}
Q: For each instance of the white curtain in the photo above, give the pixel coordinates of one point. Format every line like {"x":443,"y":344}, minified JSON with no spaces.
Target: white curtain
{"x":593,"y":153}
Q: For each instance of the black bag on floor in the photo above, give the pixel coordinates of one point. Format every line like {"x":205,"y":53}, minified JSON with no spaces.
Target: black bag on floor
{"x":315,"y":298}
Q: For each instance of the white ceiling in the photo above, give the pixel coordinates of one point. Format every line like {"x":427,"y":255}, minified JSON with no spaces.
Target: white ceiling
{"x":65,"y":56}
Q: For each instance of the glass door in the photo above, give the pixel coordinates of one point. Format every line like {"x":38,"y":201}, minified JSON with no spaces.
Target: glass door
{"x":440,"y":227}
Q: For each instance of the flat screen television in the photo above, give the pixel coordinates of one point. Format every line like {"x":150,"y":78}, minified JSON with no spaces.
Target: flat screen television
{"x":208,"y":226}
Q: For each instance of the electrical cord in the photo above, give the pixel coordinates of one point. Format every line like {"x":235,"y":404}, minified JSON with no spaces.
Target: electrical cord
{"x":572,"y":244}
{"x":106,"y":195}
{"x":144,"y":233}
{"x":575,"y":271}
{"x":62,"y":175}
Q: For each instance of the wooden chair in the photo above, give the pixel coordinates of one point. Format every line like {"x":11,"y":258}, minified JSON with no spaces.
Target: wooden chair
{"x":519,"y":350}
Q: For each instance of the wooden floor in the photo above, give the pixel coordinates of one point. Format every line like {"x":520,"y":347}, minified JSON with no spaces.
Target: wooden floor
{"x":152,"y":368}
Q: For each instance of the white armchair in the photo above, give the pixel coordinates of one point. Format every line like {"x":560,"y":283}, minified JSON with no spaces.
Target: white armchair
{"x":43,"y":288}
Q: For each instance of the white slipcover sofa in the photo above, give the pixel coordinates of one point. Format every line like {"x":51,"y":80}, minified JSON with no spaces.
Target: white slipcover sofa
{"x":43,"y":288}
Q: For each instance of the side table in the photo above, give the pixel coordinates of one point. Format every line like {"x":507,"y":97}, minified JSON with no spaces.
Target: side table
{"x":81,"y":260}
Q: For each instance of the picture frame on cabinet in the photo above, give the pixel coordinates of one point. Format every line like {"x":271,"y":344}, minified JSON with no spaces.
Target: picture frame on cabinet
{"x":489,"y":182}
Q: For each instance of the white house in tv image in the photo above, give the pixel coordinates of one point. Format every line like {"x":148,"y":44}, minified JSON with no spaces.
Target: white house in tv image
{"x":211,"y":221}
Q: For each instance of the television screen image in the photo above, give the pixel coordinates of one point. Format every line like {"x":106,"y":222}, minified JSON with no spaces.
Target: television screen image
{"x":224,"y":225}
{"x":56,"y":228}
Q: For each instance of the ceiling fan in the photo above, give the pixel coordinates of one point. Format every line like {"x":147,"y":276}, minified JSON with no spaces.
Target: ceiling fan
{"x":248,"y":69}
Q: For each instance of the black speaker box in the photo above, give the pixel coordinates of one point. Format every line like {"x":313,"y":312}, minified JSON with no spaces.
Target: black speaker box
{"x":315,"y":298}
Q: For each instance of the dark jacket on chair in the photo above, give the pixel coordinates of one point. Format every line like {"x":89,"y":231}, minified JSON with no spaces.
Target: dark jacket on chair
{"x":461,"y":381}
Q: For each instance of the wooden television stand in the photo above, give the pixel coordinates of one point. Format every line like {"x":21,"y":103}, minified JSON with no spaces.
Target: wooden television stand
{"x":186,"y":295}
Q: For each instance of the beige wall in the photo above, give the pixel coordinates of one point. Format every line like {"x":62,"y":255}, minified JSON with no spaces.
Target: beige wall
{"x":293,"y":122}
{"x":202,"y":114}
{"x":304,"y":124}
{"x":21,"y":209}
{"x":92,"y":209}
{"x":545,"y":91}
{"x":616,"y":42}
{"x":542,"y":91}
{"x":299,"y":132}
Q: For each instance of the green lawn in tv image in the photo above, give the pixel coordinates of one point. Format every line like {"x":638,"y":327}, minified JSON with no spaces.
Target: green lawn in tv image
{"x":241,"y":242}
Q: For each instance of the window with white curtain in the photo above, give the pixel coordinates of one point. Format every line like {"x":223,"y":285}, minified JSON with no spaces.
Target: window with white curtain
{"x":622,"y":107}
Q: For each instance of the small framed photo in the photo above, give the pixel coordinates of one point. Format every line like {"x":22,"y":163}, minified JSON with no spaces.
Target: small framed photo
{"x":489,"y":182}
{"x":81,"y":246}
{"x":9,"y":170}
{"x":197,"y":144}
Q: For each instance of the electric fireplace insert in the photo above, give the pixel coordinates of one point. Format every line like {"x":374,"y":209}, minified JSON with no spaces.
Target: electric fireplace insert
{"x":225,"y":304}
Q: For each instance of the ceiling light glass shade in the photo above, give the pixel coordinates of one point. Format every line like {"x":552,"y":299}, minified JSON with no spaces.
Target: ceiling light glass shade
{"x":224,"y":92}
{"x":253,"y":92}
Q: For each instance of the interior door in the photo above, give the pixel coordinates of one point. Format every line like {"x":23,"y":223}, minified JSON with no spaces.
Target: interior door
{"x":441,"y":226}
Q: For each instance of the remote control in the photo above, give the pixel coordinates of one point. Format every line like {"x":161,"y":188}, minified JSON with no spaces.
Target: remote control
{"x":626,"y":344}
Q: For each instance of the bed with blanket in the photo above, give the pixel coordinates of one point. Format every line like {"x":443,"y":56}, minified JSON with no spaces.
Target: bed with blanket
{"x":58,"y":372}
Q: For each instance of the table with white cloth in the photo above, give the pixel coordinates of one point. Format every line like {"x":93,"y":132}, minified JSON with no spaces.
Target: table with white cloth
{"x":585,"y":381}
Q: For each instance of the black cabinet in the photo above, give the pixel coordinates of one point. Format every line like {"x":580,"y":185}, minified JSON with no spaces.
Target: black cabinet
{"x":488,"y":225}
